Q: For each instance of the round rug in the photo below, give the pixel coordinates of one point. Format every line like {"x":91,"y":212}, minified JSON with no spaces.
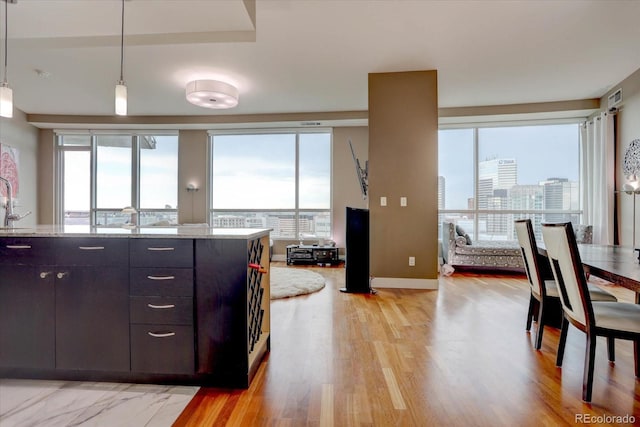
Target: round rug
{"x":290,"y":282}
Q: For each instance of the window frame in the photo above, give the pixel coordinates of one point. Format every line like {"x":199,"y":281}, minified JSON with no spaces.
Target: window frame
{"x":92,"y":148}
{"x":296,"y":209}
{"x":476,"y":213}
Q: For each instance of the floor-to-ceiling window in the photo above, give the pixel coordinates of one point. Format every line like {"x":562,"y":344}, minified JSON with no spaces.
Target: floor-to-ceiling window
{"x":279,"y":180}
{"x":490,"y":176}
{"x":100,"y":174}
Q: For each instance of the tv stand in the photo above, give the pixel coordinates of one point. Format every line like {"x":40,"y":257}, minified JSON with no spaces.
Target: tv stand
{"x":312,"y":254}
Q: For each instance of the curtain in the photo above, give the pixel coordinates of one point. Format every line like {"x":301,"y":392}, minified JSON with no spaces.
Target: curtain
{"x":597,"y":176}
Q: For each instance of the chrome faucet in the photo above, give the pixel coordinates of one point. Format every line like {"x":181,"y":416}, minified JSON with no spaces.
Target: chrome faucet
{"x":9,"y":216}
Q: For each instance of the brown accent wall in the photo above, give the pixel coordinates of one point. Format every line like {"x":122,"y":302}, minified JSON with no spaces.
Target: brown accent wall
{"x":192,"y":169}
{"x":403,"y":162}
{"x":46,"y":174}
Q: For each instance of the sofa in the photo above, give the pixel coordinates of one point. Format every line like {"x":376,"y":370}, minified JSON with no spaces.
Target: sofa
{"x":459,"y":251}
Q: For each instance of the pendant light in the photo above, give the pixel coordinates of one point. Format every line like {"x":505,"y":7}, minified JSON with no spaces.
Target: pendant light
{"x":6,"y":94}
{"x":121,"y":89}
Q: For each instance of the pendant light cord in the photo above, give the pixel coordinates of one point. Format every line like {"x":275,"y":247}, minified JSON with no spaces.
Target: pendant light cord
{"x":6,"y":32}
{"x":121,"y":46}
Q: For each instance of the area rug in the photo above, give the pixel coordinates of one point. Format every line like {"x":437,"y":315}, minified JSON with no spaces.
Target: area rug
{"x":290,"y":282}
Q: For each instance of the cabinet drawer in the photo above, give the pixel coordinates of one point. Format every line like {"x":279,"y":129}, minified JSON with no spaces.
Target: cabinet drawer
{"x":163,"y":349}
{"x":93,"y":251}
{"x":161,"y":253}
{"x":172,"y":282}
{"x":26,"y":251}
{"x":161,"y":310}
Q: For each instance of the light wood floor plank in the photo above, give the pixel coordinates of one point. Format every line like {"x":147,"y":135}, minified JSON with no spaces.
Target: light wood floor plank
{"x":458,"y":356}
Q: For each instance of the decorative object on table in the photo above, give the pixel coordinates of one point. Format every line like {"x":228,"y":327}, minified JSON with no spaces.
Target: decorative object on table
{"x":290,"y":282}
{"x":131,"y":211}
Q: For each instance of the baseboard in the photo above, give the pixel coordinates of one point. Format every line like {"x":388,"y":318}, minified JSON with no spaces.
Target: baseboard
{"x":404,"y":283}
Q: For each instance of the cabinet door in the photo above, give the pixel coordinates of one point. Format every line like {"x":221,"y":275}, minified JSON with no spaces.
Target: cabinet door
{"x":27,"y":317}
{"x":92,"y":318}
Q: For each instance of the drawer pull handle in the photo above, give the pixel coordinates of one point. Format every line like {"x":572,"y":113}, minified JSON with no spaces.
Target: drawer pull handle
{"x":161,"y":249}
{"x":61,"y":275}
{"x":161,"y":306}
{"x":161,"y":335}
{"x":18,"y":246}
{"x":91,"y":248}
{"x":45,"y":274}
{"x":161,"y":277}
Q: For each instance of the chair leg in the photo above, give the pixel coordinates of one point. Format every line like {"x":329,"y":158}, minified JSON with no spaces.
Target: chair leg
{"x":540,"y":326}
{"x":587,"y":378}
{"x":564,"y":328}
{"x":530,"y":313}
{"x":611,"y":349}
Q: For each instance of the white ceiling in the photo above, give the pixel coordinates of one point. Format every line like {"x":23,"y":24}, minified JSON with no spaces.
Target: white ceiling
{"x":314,"y":55}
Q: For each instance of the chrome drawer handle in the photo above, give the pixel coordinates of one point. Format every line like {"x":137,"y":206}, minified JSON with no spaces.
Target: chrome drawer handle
{"x":18,"y":246}
{"x":91,"y":248}
{"x":161,"y":306}
{"x":61,"y":275}
{"x":45,"y":274}
{"x":161,"y":335}
{"x":161,"y":249}
{"x":161,"y":277}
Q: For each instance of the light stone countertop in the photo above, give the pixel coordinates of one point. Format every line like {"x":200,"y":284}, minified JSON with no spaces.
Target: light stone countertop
{"x":180,"y":232}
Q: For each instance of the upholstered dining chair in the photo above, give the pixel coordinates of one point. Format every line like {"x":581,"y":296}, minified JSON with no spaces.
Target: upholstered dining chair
{"x":594,"y":318}
{"x":544,"y":291}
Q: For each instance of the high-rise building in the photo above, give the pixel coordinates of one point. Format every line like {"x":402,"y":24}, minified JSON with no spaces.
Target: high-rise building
{"x":496,"y":177}
{"x":561,"y":194}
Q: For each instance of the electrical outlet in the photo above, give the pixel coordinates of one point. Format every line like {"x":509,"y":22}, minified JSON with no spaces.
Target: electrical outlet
{"x":383,"y":201}
{"x":412,"y":261}
{"x":403,"y":201}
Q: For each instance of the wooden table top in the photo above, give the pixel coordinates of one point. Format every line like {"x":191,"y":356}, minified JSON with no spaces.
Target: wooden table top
{"x":617,"y":264}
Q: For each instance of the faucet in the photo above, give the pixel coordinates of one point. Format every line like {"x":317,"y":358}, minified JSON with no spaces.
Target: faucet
{"x":9,"y":216}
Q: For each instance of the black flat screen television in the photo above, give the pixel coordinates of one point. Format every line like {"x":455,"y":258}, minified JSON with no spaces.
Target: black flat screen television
{"x":357,"y":251}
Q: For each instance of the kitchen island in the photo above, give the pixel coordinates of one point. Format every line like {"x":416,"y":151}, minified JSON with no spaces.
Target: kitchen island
{"x":181,"y":305}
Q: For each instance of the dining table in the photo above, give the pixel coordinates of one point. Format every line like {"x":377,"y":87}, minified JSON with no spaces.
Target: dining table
{"x":617,"y":264}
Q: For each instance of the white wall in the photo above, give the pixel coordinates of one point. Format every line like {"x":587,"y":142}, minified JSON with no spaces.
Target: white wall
{"x":17,"y":133}
{"x":628,"y":130}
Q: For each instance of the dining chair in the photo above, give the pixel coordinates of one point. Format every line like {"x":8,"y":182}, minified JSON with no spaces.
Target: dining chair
{"x":594,"y":318}
{"x":544,"y":292}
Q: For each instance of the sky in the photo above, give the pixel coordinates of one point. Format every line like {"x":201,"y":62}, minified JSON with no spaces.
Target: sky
{"x":541,"y":152}
{"x":258,"y":171}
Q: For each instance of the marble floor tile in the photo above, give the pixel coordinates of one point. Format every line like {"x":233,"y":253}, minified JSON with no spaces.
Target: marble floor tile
{"x":26,"y":403}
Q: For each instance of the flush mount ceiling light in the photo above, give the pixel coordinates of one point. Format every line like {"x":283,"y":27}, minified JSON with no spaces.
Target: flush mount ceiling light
{"x":212,"y":94}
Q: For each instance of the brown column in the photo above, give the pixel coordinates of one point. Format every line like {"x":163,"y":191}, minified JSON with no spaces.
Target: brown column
{"x":403,"y":163}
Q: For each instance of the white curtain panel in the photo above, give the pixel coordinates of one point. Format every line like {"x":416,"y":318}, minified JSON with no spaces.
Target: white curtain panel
{"x":597,"y":176}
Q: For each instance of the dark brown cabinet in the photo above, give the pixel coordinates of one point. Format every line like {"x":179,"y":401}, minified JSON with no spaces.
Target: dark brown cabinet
{"x":27,"y":329}
{"x":27,"y":303}
{"x":92,"y":292}
{"x":161,"y":306}
{"x":92,"y":320}
{"x":135,"y":309}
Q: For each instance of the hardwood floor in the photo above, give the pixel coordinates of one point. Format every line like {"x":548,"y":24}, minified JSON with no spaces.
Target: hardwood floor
{"x":458,"y":356}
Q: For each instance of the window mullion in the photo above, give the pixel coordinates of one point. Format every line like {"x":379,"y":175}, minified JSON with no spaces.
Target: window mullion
{"x":297,"y":185}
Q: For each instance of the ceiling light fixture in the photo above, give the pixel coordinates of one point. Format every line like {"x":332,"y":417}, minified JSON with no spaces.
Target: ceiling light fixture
{"x":121,"y":89}
{"x":212,"y":94}
{"x":6,"y":94}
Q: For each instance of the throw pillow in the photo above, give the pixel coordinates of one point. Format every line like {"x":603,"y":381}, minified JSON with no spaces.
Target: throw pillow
{"x":460,"y":232}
